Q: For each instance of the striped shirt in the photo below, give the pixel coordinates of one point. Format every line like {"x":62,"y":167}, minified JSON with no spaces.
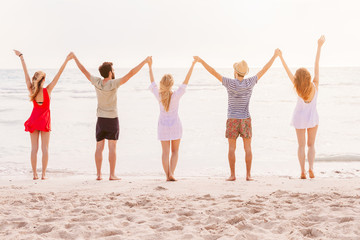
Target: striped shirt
{"x":239,"y":94}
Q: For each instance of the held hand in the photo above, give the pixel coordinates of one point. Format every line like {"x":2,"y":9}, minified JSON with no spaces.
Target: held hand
{"x":18,"y":53}
{"x":70,"y":56}
{"x":321,"y":40}
{"x":149,"y":61}
{"x":197,"y":58}
{"x":277,"y":52}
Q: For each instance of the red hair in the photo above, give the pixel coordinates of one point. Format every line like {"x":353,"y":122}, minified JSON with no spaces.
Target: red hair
{"x":302,"y":83}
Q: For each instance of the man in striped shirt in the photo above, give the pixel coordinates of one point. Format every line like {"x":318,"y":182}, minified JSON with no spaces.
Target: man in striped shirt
{"x":239,"y":121}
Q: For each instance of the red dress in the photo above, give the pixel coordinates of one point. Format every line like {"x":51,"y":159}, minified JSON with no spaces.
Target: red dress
{"x":40,"y":116}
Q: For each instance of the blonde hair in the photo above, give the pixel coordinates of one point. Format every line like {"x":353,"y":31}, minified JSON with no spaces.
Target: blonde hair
{"x":166,"y":83}
{"x":302,"y":83}
{"x":36,"y":82}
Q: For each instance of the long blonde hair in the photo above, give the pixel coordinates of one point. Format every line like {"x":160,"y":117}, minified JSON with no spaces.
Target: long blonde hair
{"x":302,"y":83}
{"x":36,"y":82}
{"x":166,"y":84}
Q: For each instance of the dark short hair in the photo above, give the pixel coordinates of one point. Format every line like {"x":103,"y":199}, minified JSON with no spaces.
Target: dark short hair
{"x":105,"y":68}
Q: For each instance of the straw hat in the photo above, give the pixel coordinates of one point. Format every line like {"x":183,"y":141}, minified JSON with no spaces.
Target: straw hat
{"x":241,"y":68}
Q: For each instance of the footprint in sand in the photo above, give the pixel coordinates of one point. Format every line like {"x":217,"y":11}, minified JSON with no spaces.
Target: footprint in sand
{"x":176,"y":228}
{"x":211,"y":227}
{"x":130,"y":218}
{"x":345,"y":219}
{"x":160,"y":188}
{"x":155,"y":226}
{"x":143,"y":202}
{"x":206,"y":197}
{"x":186,"y":213}
{"x":20,"y":224}
{"x":69,"y":225}
{"x":255,"y":210}
{"x":41,"y":198}
{"x":235,"y":220}
{"x":17,"y":203}
{"x":244,"y":226}
{"x":228,"y":196}
{"x":111,"y":232}
{"x":181,"y":219}
{"x":311,"y":232}
{"x":44,"y":229}
{"x":129,"y":204}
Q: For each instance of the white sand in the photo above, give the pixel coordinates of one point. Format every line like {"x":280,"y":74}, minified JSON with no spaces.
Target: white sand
{"x":192,"y":208}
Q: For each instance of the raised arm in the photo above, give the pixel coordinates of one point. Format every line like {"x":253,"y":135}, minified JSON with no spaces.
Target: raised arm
{"x":27,"y":77}
{"x":81,"y":67}
{"x":53,"y":83}
{"x":268,"y":65}
{"x":317,"y":60}
{"x":287,"y":69}
{"x":133,"y":71}
{"x":150,"y":70}
{"x":188,"y":75}
{"x":208,"y":68}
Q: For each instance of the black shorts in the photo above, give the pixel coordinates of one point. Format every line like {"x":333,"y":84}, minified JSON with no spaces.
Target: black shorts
{"x":107,"y":128}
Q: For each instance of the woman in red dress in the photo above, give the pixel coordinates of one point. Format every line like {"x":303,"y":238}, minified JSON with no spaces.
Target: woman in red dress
{"x":39,"y":122}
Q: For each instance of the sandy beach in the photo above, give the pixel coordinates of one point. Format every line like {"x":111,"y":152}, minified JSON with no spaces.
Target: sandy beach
{"x":191,"y":208}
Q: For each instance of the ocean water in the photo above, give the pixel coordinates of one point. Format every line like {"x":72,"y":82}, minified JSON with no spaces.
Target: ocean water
{"x":203,"y":110}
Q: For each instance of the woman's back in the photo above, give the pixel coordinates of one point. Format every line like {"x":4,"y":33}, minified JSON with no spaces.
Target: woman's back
{"x":174,"y":100}
{"x":169,"y":125}
{"x":305,"y":113}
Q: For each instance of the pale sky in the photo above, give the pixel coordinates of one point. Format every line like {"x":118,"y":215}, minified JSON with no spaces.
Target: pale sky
{"x":221,"y":32}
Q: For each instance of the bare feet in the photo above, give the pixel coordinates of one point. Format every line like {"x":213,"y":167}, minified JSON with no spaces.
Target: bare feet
{"x":36,"y":177}
{"x":43,"y":177}
{"x":249,"y":178}
{"x":303,"y":176}
{"x":99,"y":178}
{"x":171,"y":179}
{"x":113,"y":177}
{"x":231,"y":178}
{"x":311,"y":174}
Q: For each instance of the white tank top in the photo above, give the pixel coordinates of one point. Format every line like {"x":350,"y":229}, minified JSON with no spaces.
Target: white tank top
{"x":305,"y":114}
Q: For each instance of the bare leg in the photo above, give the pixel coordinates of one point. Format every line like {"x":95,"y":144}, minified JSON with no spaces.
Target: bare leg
{"x":45,"y":139}
{"x":175,"y":144}
{"x":311,"y":149}
{"x":165,"y":157}
{"x":112,"y":159}
{"x":248,"y":157}
{"x":34,"y":137}
{"x":98,"y":158}
{"x":232,"y":159}
{"x":301,"y":150}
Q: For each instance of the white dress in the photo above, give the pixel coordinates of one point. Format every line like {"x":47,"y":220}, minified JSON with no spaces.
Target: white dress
{"x":305,"y":114}
{"x":169,"y":125}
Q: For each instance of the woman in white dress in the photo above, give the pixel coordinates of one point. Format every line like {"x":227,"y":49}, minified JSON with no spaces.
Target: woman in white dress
{"x":169,"y":125}
{"x":305,"y":116}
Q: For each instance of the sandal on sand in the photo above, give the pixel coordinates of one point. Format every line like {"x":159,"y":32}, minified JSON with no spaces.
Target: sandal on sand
{"x":303,"y":176}
{"x":311,"y":174}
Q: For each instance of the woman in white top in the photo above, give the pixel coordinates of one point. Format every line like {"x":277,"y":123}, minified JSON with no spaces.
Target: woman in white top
{"x":305,"y":115}
{"x":169,"y":125}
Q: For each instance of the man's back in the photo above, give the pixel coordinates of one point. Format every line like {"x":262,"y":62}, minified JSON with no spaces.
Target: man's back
{"x":239,"y":94}
{"x":106,"y":96}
